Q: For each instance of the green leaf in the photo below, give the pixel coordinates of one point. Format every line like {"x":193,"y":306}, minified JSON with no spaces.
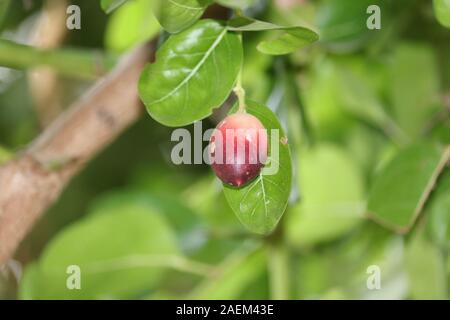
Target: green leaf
{"x":321,"y":95}
{"x":442,"y":12}
{"x":290,"y":39}
{"x":110,"y":5}
{"x":194,"y":73}
{"x":412,"y":92}
{"x":260,"y":204}
{"x":119,"y":253}
{"x":177,"y":15}
{"x":439,"y":211}
{"x":332,"y":192}
{"x":205,"y":197}
{"x":182,"y":220}
{"x":4,"y":5}
{"x":236,"y":273}
{"x":426,"y":269}
{"x":130,"y":25}
{"x":236,"y":4}
{"x":360,"y":99}
{"x":343,"y":23}
{"x":401,"y":189}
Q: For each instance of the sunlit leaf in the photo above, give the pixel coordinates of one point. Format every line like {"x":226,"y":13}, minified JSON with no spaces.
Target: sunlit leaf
{"x":260,"y":204}
{"x":177,"y":15}
{"x":442,"y":11}
{"x":130,"y":25}
{"x":194,"y":72}
{"x":289,"y":40}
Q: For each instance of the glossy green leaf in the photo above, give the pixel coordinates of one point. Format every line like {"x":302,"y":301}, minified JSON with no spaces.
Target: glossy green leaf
{"x":290,"y":39}
{"x":442,"y":12}
{"x":177,"y":15}
{"x":332,"y":196}
{"x":194,"y":73}
{"x":131,"y":25}
{"x":402,"y":188}
{"x":119,"y":253}
{"x":110,"y":5}
{"x":260,"y":204}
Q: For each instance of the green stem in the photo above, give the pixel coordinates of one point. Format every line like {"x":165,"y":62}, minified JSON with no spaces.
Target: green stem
{"x":239,"y":89}
{"x":278,"y":260}
{"x":71,"y":62}
{"x":240,"y":93}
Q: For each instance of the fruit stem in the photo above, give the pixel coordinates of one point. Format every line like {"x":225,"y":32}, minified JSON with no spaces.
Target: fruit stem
{"x":239,"y":90}
{"x":240,"y":93}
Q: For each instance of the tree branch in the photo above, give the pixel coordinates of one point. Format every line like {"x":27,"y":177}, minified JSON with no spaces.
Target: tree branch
{"x":30,"y":183}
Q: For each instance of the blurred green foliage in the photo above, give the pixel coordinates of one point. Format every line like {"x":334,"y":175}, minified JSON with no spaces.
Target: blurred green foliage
{"x":368,"y":123}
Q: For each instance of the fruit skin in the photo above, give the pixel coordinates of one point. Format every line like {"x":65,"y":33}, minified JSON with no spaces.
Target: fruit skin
{"x":244,"y":162}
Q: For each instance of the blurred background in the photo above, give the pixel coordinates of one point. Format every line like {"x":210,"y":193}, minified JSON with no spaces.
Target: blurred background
{"x":361,"y":95}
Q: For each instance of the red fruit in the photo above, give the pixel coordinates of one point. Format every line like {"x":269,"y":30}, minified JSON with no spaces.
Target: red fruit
{"x":242,"y":139}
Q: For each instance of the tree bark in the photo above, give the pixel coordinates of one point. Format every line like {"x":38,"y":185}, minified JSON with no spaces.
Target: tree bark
{"x":31,"y":182}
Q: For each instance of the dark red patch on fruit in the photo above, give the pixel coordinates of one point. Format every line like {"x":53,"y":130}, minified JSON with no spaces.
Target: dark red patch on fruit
{"x":243,"y":141}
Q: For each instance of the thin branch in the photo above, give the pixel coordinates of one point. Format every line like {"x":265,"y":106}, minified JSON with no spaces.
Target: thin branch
{"x":178,"y":263}
{"x":31,"y":183}
{"x":78,"y":63}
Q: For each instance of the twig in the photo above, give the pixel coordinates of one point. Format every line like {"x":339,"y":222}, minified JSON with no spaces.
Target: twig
{"x":71,"y":62}
{"x":30,"y":183}
{"x":178,"y":263}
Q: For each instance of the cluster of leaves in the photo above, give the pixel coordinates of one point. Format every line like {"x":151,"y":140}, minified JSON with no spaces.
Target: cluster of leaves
{"x":366,"y":116}
{"x":195,"y":71}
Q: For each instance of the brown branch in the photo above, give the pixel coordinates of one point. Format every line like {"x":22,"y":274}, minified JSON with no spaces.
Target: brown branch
{"x":34,"y":180}
{"x":44,"y":82}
